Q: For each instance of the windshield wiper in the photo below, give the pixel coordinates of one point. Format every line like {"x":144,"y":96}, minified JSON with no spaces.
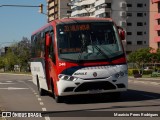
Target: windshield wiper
{"x":103,"y":53}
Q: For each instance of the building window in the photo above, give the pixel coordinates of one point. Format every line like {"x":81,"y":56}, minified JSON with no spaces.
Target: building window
{"x":108,"y":5}
{"x":139,"y":14}
{"x":106,"y":14}
{"x":158,"y":7}
{"x":158,"y":21}
{"x":129,"y":5}
{"x":129,"y":14}
{"x":139,"y":5}
{"x":129,"y":24}
{"x":158,"y":44}
{"x":139,"y":24}
{"x":129,"y":42}
{"x":129,"y":33}
{"x":139,"y":42}
{"x":139,"y":33}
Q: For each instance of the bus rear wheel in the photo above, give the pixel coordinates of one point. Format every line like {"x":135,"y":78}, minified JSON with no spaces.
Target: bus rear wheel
{"x":40,"y":90}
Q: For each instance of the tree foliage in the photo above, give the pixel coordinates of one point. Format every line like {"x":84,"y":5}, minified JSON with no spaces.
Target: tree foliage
{"x":144,"y":55}
{"x":17,"y":54}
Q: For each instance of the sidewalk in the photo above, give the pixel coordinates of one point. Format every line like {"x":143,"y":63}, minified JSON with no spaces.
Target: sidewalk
{"x":149,"y":79}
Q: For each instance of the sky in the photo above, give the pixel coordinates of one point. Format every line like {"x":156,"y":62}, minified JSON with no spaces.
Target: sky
{"x":17,"y":22}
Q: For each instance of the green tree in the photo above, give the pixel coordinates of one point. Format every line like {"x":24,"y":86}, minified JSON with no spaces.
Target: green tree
{"x":2,"y":65}
{"x":17,"y":54}
{"x":141,"y":56}
{"x":10,"y":59}
{"x":22,"y":51}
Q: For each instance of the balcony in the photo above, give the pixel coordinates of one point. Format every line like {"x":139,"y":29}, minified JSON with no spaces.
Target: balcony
{"x":157,"y":16}
{"x":51,"y":4}
{"x":157,"y":39}
{"x":157,"y":27}
{"x":155,"y":1}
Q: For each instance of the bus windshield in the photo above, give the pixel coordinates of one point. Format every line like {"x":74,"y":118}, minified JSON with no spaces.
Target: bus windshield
{"x":91,"y":41}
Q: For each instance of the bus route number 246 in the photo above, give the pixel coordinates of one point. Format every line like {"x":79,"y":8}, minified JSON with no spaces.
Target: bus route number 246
{"x":62,"y":64}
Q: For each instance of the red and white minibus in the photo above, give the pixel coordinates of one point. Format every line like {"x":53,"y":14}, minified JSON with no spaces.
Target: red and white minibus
{"x":74,"y":56}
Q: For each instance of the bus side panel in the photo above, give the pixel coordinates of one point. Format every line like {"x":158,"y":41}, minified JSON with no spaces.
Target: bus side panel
{"x":38,"y":73}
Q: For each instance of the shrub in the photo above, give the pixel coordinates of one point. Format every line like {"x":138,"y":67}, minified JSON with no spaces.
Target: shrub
{"x":132,"y":71}
{"x":135,"y":71}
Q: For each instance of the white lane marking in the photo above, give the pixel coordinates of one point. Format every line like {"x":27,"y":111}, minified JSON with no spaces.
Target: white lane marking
{"x":47,"y":118}
{"x":41,"y":103}
{"x":44,"y":109}
{"x":6,"y":83}
{"x":13,"y":88}
{"x":39,"y":99}
{"x":37,"y":95}
{"x":33,"y":90}
{"x":9,"y":81}
{"x":30,"y":80}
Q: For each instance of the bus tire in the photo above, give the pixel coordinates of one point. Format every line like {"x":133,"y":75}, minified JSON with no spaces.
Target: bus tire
{"x":57,"y":98}
{"x":40,"y":90}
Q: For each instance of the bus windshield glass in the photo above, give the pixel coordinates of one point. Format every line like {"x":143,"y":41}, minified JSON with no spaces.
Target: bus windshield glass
{"x":91,"y":41}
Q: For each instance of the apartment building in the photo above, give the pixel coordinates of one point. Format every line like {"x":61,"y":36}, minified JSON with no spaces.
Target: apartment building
{"x":156,"y":24}
{"x":57,"y":9}
{"x":100,"y":8}
{"x":140,"y":20}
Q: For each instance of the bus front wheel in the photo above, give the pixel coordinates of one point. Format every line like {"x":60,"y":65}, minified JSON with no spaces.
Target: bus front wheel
{"x":57,"y":98}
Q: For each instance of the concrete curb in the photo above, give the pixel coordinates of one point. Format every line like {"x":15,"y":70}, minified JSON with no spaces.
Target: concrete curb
{"x":15,"y":74}
{"x":158,"y":79}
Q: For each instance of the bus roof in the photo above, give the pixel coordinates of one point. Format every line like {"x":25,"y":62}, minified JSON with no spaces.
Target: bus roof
{"x":73,"y":20}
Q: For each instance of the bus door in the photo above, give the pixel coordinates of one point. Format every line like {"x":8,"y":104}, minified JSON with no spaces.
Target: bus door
{"x":50,"y":58}
{"x":47,"y":60}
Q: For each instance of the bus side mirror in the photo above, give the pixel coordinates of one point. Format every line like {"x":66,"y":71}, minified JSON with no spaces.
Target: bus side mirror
{"x":122,"y":34}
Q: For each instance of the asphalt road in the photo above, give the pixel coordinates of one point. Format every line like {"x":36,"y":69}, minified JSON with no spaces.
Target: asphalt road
{"x":18,"y":93}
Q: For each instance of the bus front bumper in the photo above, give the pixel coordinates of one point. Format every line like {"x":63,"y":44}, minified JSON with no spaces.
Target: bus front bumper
{"x":81,"y":86}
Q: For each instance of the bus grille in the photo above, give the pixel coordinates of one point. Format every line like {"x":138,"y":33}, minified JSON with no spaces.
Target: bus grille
{"x":101,"y":85}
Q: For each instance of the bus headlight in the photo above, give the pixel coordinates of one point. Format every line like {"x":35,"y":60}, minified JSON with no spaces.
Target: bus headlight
{"x":67,"y":78}
{"x":120,"y":74}
{"x":117,"y":75}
